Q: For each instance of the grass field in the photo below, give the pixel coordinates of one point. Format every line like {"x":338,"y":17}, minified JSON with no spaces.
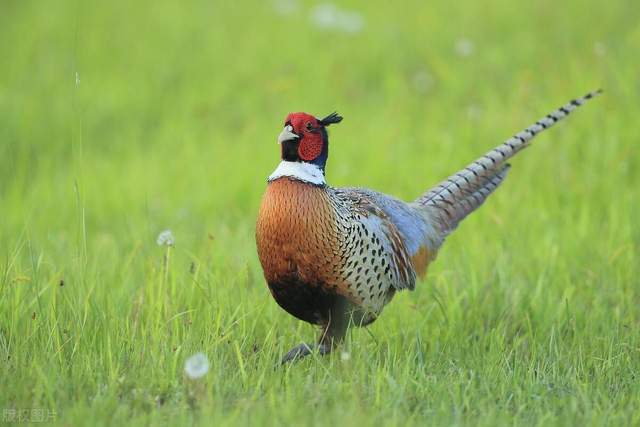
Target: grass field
{"x":121,"y":119}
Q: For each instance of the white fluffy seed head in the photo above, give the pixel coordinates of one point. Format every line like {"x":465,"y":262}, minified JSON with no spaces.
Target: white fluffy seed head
{"x":166,"y":238}
{"x":196,"y":366}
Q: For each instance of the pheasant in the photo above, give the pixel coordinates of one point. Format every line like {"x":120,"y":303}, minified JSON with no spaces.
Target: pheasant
{"x":335,"y":257}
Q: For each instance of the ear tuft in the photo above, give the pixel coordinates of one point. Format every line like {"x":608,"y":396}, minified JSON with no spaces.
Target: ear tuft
{"x":331,"y":119}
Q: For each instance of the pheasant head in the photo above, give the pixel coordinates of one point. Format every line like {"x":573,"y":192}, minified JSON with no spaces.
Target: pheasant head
{"x":304,"y":139}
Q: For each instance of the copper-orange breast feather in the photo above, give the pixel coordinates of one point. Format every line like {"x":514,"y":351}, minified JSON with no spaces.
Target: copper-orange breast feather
{"x":297,"y":237}
{"x":295,"y":232}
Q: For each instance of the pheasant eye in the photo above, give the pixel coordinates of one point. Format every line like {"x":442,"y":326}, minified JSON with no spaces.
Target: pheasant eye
{"x":309,"y":126}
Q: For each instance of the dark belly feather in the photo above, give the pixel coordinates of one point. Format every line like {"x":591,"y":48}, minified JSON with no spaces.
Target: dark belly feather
{"x":309,"y":303}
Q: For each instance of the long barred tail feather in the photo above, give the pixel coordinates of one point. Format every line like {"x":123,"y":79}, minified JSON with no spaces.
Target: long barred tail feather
{"x":472,"y":201}
{"x":460,"y":194}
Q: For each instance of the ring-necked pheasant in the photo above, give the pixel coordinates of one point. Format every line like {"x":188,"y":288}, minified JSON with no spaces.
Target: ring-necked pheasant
{"x":336,"y":256}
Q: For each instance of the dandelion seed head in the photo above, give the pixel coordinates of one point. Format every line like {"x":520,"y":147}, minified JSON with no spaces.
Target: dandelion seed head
{"x":464,"y":47}
{"x":196,"y":366}
{"x":285,"y":7}
{"x":166,"y":238}
{"x":328,"y":16}
{"x":422,"y":81}
{"x":474,"y":112}
{"x":345,"y":356}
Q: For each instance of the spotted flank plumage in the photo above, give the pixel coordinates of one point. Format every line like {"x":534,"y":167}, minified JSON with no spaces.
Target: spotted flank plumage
{"x":336,"y":256}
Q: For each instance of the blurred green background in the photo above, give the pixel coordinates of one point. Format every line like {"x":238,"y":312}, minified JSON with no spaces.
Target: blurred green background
{"x":122,"y":119}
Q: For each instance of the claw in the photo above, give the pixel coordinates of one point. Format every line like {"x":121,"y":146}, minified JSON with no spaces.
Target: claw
{"x":298,"y":352}
{"x":303,"y":350}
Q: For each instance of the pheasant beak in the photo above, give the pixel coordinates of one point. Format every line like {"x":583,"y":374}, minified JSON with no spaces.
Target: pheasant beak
{"x":287,"y":135}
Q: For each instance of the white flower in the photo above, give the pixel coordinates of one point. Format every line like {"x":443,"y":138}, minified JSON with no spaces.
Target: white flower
{"x":166,"y":238}
{"x":196,"y":366}
{"x":345,"y":356}
{"x":328,"y":16}
{"x":464,"y":47}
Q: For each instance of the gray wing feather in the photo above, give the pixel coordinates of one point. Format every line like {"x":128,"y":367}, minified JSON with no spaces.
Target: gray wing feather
{"x":414,"y":226}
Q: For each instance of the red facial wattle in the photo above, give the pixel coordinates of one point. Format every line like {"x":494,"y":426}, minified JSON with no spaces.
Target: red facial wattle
{"x":309,"y":149}
{"x":308,"y":128}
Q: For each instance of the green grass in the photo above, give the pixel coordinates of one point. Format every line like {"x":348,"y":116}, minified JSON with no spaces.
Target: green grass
{"x":529,"y":316}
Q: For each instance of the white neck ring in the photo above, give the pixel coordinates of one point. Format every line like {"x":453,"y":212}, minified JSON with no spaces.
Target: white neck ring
{"x":301,"y":171}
